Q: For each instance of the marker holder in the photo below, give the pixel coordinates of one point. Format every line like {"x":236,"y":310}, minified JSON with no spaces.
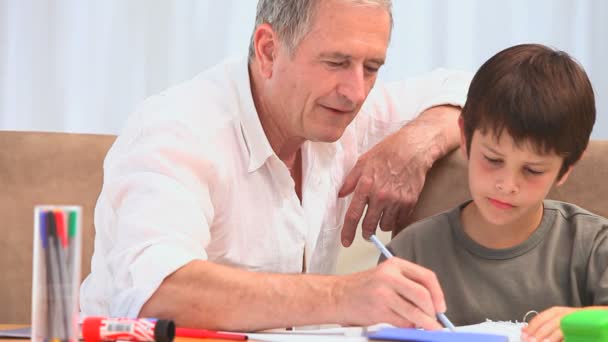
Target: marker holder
{"x":56,"y":272}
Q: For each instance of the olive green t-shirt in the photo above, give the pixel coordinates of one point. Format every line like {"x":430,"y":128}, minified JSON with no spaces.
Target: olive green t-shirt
{"x":563,"y":263}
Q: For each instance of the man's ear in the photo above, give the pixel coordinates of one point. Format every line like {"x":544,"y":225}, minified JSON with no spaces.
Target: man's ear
{"x":463,"y":139}
{"x":265,"y":43}
{"x":564,"y":177}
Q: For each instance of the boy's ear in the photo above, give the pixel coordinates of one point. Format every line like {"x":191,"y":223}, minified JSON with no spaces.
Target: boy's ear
{"x":463,"y":139}
{"x":582,"y":154}
{"x":564,"y":177}
{"x":566,"y":174}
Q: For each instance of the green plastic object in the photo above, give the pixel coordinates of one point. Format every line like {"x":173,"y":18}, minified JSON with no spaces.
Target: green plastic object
{"x":585,"y":326}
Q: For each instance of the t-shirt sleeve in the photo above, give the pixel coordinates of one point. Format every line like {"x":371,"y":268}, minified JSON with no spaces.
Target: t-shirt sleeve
{"x":402,"y":245}
{"x":597,"y":272}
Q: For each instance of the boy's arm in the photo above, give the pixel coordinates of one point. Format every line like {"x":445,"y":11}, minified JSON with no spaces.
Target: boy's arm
{"x":546,"y":325}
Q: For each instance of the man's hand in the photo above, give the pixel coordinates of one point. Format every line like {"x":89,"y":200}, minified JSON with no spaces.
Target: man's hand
{"x":389,"y":177}
{"x":396,"y":291}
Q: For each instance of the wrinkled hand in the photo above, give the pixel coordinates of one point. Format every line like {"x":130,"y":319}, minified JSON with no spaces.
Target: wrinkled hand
{"x":397,"y":291}
{"x":389,"y":177}
{"x":545,"y":326}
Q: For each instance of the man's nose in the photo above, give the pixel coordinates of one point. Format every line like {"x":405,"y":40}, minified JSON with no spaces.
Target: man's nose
{"x":352,"y":85}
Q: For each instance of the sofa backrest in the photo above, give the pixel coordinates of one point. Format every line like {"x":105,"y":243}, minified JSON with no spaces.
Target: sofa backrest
{"x":42,"y":168}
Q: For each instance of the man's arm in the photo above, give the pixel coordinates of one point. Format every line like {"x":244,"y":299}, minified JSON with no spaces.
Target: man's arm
{"x":208,"y":295}
{"x":390,"y":176}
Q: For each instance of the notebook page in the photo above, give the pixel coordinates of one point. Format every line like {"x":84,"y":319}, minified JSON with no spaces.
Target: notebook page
{"x":510,"y":329}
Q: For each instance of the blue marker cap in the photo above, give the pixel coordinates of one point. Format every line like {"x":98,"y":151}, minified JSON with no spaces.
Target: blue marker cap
{"x":43,"y":229}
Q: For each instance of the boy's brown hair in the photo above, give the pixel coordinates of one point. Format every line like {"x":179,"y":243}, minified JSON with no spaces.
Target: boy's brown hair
{"x":539,"y":95}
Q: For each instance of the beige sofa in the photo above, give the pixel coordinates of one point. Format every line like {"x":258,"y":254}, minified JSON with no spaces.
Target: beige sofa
{"x":63,"y":168}
{"x":42,"y":168}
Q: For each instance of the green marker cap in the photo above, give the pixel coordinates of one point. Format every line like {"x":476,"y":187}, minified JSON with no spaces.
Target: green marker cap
{"x":72,"y":223}
{"x":585,"y":326}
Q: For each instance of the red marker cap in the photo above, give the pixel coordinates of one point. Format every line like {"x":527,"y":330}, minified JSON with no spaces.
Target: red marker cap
{"x":90,"y":329}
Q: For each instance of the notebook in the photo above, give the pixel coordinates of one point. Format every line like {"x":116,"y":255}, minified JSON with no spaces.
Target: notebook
{"x":510,"y":329}
{"x":489,"y":331}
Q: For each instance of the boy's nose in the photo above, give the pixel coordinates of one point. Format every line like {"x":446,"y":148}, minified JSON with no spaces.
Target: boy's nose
{"x":507,"y":186}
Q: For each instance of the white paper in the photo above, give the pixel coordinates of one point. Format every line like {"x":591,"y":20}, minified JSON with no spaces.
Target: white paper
{"x":510,"y":329}
{"x":358,"y":334}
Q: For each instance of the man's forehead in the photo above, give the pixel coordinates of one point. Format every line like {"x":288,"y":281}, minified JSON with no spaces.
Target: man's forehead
{"x":355,"y":31}
{"x":334,"y":13}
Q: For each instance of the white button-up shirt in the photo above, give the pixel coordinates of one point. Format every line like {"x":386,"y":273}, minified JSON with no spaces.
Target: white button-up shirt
{"x":193,"y":176}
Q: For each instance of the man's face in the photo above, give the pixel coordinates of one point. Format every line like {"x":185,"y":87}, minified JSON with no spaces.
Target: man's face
{"x":317,"y":91}
{"x":508,"y":182}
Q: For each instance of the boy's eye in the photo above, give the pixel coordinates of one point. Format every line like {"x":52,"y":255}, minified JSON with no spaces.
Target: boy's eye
{"x":534,"y":172}
{"x":493,"y":160}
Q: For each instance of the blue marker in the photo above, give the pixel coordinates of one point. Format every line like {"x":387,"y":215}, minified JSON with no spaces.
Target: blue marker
{"x":387,"y":254}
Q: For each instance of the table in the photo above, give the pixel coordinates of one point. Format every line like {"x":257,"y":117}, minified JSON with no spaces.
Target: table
{"x":177,"y":339}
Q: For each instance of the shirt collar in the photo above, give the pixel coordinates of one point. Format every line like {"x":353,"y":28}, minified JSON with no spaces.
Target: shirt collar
{"x":257,"y":143}
{"x":326,"y":151}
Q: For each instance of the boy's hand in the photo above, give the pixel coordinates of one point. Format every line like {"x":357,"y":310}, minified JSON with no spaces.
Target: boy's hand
{"x":545,"y":326}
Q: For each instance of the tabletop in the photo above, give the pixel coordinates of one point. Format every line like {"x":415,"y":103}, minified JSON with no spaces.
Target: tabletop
{"x":177,"y":339}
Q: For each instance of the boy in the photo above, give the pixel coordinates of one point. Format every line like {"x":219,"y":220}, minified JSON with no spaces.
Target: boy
{"x":527,"y":120}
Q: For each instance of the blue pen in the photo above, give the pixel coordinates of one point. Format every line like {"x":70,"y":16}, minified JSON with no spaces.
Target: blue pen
{"x":387,"y":254}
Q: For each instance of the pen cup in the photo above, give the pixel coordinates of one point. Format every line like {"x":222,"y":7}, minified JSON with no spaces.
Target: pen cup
{"x":56,"y":272}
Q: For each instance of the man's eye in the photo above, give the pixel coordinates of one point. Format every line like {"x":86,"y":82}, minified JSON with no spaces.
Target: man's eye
{"x":335,"y":64}
{"x":371,"y":69}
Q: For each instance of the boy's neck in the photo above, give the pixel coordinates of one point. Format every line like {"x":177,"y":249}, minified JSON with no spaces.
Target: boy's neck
{"x":494,"y":236}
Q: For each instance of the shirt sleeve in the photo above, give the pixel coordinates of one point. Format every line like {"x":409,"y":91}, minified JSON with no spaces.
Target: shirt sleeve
{"x":153,"y":214}
{"x":597,"y":271}
{"x":389,"y":106}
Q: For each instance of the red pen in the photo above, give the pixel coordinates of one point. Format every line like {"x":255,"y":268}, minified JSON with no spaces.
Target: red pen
{"x":200,"y":333}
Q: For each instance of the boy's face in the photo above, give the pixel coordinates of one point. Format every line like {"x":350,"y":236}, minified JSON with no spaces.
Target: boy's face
{"x":508,"y":182}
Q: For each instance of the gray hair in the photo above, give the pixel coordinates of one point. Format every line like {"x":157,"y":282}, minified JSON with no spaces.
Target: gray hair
{"x":291,"y":19}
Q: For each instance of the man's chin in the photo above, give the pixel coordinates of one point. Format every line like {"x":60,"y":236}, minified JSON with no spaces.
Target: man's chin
{"x":330,"y":137}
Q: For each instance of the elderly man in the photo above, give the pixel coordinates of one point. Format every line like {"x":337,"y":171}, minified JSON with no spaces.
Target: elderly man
{"x":224,"y":198}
